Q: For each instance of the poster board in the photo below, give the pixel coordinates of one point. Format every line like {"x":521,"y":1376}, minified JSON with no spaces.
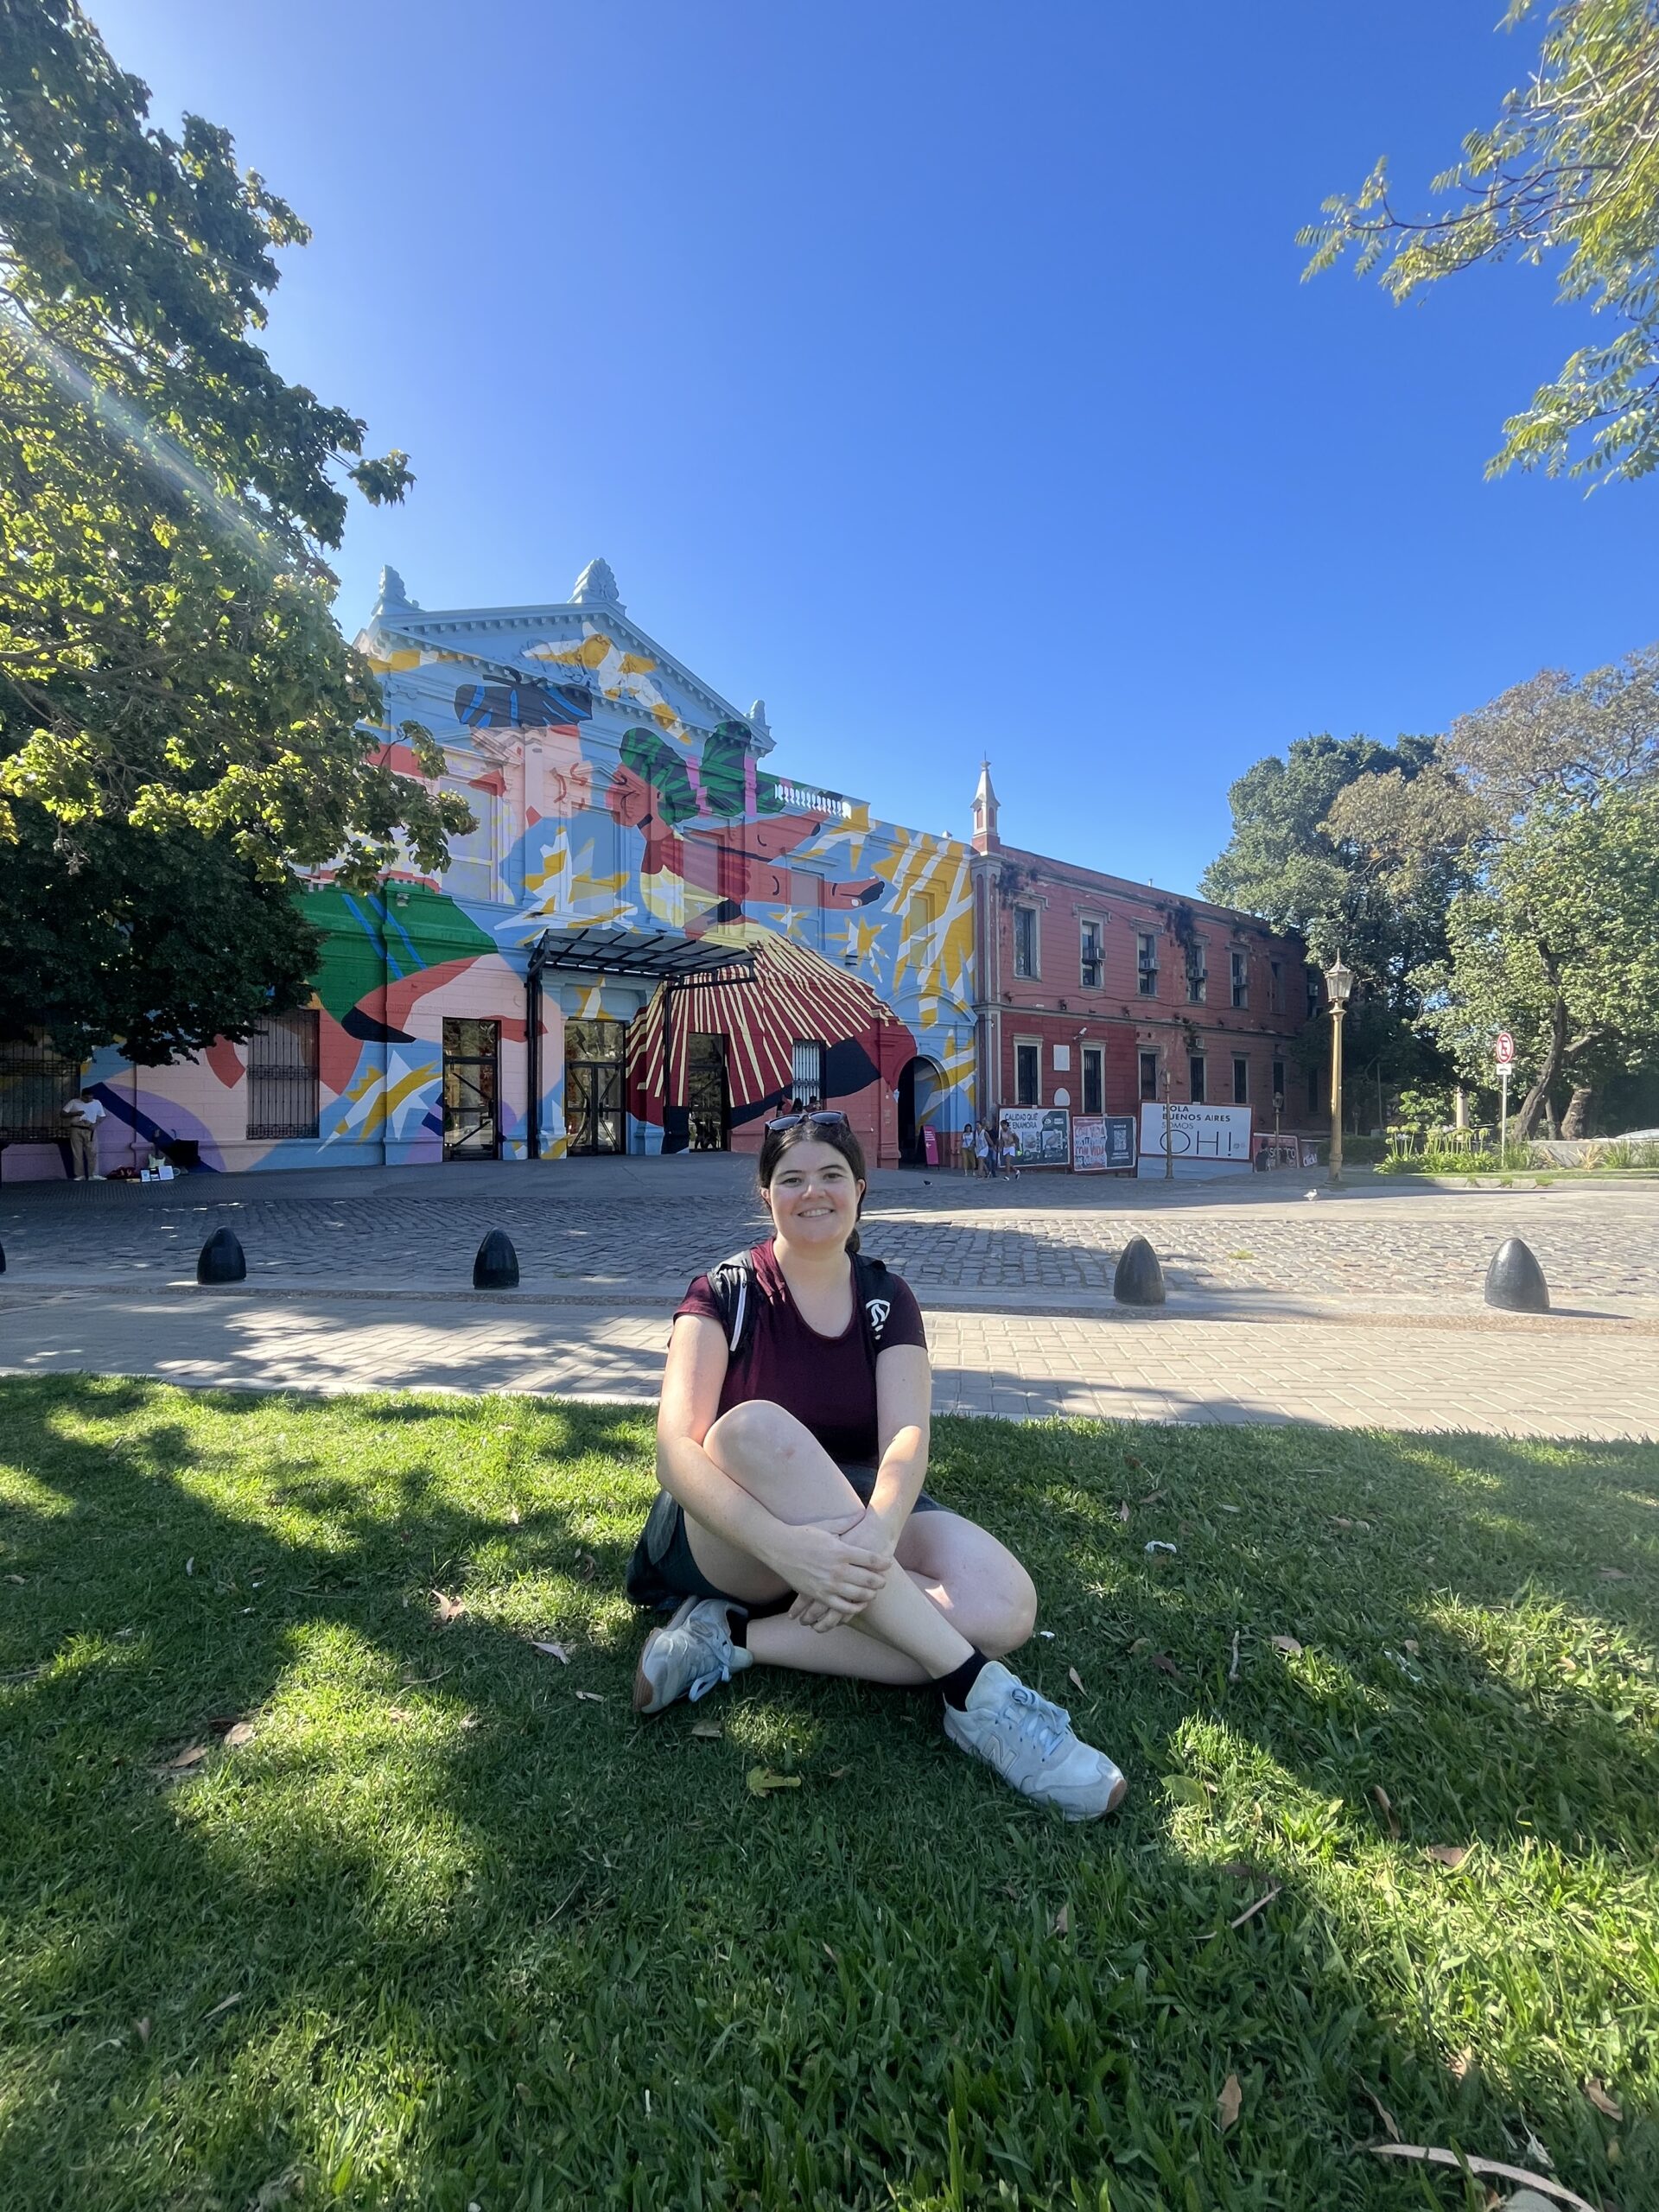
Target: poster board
{"x":1101,"y":1142}
{"x":1042,"y":1133}
{"x":1203,"y":1141}
{"x":1275,"y":1152}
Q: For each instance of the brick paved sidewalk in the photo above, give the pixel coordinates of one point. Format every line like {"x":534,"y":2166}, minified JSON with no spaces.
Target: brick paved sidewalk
{"x":1558,"y":1377}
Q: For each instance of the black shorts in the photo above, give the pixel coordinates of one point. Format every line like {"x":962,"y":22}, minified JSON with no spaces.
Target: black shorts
{"x":662,"y":1571}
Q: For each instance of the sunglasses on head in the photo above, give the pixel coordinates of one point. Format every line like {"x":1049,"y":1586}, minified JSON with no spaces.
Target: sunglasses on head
{"x":829,"y":1121}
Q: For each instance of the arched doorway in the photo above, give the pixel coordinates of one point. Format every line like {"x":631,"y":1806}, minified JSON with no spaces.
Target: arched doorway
{"x":920,"y":1084}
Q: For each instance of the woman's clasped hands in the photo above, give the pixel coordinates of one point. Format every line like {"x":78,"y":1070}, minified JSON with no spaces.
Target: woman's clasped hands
{"x":836,"y":1566}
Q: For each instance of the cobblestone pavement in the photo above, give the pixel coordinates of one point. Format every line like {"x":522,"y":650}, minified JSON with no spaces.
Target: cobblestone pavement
{"x":1561,"y":1378}
{"x":618,"y":1222}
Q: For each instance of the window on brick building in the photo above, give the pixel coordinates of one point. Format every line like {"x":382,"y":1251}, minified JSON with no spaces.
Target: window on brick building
{"x":1241,"y":964}
{"x":1312,"y":1091}
{"x":1279,"y":1086}
{"x":1313,"y":992}
{"x":1090,"y":963}
{"x":1149,"y":1075}
{"x":1276,"y":984}
{"x":1195,"y":1078}
{"x":1024,"y":941}
{"x":1146,"y":961}
{"x":1198,"y":975}
{"x":1093,"y":1086}
{"x":1027,"y":1073}
{"x":1241,"y":1080}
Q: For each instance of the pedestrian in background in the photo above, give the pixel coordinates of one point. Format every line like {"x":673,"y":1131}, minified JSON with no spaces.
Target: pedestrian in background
{"x":83,"y":1112}
{"x":969,"y":1155}
{"x":1010,"y":1154}
{"x":985,"y":1154}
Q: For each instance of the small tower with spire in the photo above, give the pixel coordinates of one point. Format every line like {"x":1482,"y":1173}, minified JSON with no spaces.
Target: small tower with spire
{"x":985,"y":839}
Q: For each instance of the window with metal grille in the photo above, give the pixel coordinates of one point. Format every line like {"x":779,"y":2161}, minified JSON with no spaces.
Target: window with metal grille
{"x":1024,"y":941}
{"x":1276,"y":973}
{"x":1198,"y":975}
{"x":1145,"y":957}
{"x":1028,"y":1075}
{"x":1149,"y":1075}
{"x":1195,"y":1078}
{"x":807,"y":1073}
{"x":1240,"y":979}
{"x":1089,"y":962}
{"x":1277,"y":1086}
{"x":1313,"y":998}
{"x":34,"y":1082}
{"x":1241,"y":1080}
{"x":283,"y":1089}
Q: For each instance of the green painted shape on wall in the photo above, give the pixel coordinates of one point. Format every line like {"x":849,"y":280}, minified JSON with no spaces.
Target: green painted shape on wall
{"x":428,"y":930}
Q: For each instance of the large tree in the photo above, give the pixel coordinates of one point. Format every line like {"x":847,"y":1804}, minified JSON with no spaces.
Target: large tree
{"x":1546,"y":801}
{"x":1286,"y":862}
{"x":182,"y":727}
{"x":1568,"y":175}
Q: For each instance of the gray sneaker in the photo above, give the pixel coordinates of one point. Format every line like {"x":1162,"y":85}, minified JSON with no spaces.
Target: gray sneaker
{"x":690,"y":1657}
{"x":1031,"y":1744}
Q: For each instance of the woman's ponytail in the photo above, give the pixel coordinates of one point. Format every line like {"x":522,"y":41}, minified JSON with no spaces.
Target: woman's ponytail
{"x":852,"y":1242}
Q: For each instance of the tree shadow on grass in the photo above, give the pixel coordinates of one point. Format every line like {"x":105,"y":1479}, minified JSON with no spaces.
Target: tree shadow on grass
{"x":465,"y":1942}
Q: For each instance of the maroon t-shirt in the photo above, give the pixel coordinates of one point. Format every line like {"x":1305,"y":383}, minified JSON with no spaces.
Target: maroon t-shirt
{"x":826,"y":1382}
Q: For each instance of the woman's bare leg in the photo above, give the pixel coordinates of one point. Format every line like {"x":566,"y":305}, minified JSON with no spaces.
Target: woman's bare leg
{"x":903,"y":1636}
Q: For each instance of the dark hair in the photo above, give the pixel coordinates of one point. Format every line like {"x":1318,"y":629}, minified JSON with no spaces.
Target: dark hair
{"x":838,"y":1135}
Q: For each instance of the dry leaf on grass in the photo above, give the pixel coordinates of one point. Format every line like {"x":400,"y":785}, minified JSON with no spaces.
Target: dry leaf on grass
{"x":1461,"y":2064}
{"x":398,"y":1712}
{"x":1261,"y":1905}
{"x":446,"y":1609}
{"x":710,"y":1731}
{"x":1061,"y":1923}
{"x":1341,"y":1521}
{"x":1411,"y":1645}
{"x":1232,"y":1671}
{"x":469,"y":1721}
{"x":278,"y":2190}
{"x":241,"y":1732}
{"x":142,"y":2027}
{"x":1151,"y":1498}
{"x":514,"y":1517}
{"x":1381,"y":1796}
{"x":586,"y":1565}
{"x":223,"y":2006}
{"x":762,"y":1781}
{"x":552,"y":1650}
{"x":1122,"y":1515}
{"x":1187,"y":1789}
{"x":1448,"y":1854}
{"x":1141,"y":1643}
{"x":1130,"y":1460}
{"x":590,"y":1697}
{"x":1075,"y":1679}
{"x":1615,"y":1574}
{"x":1230,"y":1509}
{"x":1288,"y":1645}
{"x":1165,"y":1665}
{"x":1227,"y":2103}
{"x":839,"y":1773}
{"x":1602,"y":2101}
{"x":1382,"y":2112}
{"x":1459,"y":2160}
{"x":16,"y":1578}
{"x":181,"y":1761}
{"x":190,"y":1564}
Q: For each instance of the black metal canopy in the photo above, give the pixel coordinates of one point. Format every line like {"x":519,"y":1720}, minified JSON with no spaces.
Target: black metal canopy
{"x":658,"y":956}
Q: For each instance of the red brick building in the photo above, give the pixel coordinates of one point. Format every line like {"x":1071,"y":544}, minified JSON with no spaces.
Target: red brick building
{"x":1088,"y":986}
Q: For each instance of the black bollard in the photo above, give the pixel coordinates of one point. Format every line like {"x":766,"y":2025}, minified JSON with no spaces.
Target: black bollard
{"x":2,"y":1259}
{"x":221,"y":1259}
{"x":1140,"y":1279}
{"x":496,"y":1267}
{"x":1515,"y":1280}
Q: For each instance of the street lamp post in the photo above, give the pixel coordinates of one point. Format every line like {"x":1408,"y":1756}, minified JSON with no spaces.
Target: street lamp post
{"x":1339,"y":983}
{"x":1169,"y":1153}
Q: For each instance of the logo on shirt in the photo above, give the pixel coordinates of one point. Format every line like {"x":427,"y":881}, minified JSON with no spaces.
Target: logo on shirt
{"x":877,"y":1309}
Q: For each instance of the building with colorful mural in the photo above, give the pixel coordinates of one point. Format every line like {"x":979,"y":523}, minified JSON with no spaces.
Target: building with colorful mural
{"x":650,"y":938}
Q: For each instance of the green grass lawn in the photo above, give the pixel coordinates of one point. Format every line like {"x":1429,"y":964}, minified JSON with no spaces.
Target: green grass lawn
{"x":452,"y":1929}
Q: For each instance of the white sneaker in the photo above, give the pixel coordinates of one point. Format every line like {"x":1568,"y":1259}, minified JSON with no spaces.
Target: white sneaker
{"x":692,"y":1654}
{"x":1031,"y":1744}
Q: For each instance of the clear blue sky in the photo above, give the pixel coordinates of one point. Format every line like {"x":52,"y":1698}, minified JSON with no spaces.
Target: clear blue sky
{"x":939,"y":371}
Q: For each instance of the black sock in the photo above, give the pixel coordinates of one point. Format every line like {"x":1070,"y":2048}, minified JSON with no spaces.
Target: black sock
{"x":954,"y":1686}
{"x":737,"y":1626}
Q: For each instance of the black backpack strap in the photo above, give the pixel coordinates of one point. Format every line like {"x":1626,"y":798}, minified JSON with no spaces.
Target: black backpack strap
{"x":735,"y":1290}
{"x":873,"y":1288}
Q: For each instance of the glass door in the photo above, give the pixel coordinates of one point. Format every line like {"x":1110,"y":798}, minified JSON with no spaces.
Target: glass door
{"x":706,"y":1104}
{"x":472,"y":1059}
{"x":595,"y":1117}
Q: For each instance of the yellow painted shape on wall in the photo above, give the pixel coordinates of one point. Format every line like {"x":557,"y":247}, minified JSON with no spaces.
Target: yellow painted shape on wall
{"x":637,"y":665}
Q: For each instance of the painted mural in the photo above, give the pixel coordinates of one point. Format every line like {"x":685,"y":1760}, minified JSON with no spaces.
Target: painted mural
{"x":611,"y":788}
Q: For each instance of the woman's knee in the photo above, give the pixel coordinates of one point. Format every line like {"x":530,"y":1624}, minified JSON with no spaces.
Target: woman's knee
{"x":1010,"y":1613}
{"x":757,"y":1430}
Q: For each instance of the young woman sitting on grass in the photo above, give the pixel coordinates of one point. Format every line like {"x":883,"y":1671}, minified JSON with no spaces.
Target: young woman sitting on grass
{"x":793,"y":1530}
